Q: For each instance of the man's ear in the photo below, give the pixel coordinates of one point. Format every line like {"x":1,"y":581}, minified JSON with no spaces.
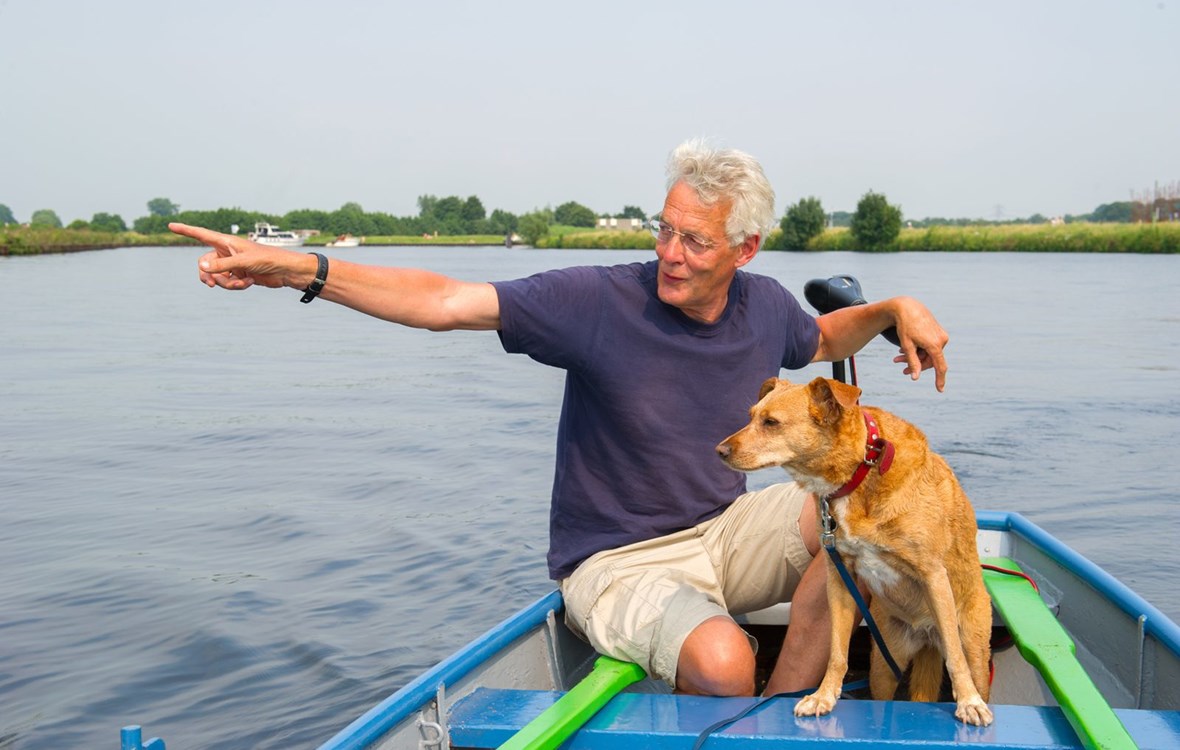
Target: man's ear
{"x":747,"y":250}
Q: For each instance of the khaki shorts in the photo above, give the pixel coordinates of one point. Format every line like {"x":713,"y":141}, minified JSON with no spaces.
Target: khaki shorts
{"x":639,"y":602}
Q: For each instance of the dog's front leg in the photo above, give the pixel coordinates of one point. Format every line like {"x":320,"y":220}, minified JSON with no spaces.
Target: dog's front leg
{"x":842,"y":609}
{"x":970,"y":705}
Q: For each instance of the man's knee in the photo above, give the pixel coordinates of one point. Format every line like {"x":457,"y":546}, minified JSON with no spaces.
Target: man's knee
{"x":716,"y":659}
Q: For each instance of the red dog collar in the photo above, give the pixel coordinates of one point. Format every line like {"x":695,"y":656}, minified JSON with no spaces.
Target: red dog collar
{"x":878,"y":452}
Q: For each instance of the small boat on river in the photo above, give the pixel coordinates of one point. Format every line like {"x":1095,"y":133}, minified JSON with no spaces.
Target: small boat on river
{"x":1083,"y":662}
{"x":269,"y":234}
{"x":345,"y":240}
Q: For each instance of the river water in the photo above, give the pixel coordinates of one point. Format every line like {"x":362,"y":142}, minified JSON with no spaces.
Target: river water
{"x":241,"y":521}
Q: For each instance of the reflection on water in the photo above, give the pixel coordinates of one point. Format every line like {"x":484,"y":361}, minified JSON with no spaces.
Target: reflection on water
{"x":241,"y":521}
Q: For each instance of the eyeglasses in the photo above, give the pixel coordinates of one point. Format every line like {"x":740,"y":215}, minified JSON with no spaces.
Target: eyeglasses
{"x":692,"y":243}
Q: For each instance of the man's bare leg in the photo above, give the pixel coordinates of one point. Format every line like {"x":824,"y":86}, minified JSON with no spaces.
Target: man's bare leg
{"x":804,"y":657}
{"x":716,"y":659}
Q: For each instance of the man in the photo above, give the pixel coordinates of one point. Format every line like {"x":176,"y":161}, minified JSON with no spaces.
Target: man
{"x":654,"y":542}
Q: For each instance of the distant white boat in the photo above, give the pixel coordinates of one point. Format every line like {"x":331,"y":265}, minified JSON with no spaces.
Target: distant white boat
{"x":345,"y":240}
{"x":269,"y":234}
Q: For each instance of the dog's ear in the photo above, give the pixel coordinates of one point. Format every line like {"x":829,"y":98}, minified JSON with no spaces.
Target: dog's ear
{"x":831,"y":398}
{"x":767,"y":386}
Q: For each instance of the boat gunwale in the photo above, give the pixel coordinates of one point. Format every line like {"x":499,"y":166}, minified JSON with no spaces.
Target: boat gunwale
{"x":1155,"y":623}
{"x":379,"y":719}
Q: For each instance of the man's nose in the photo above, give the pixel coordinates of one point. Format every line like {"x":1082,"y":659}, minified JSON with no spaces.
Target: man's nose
{"x":673,"y":256}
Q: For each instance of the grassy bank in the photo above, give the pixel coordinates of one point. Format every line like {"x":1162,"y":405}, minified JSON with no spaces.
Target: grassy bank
{"x":16,"y":240}
{"x":568,"y":237}
{"x":411,"y":239}
{"x":1037,"y":238}
{"x":1034,"y":238}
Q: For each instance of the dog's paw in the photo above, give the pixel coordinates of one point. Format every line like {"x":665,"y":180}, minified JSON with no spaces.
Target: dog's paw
{"x":973,"y":710}
{"x":815,"y":705}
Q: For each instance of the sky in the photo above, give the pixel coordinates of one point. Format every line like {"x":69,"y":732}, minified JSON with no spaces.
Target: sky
{"x":998,"y":109}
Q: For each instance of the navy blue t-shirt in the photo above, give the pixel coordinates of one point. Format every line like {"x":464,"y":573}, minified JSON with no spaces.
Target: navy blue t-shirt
{"x":649,"y":393}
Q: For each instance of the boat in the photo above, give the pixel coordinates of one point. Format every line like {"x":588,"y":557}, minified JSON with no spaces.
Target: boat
{"x":269,"y":234}
{"x":345,"y":240}
{"x":1081,"y":661}
{"x":1121,"y":690}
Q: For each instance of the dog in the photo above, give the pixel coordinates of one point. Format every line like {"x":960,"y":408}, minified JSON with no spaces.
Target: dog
{"x":906,"y":531}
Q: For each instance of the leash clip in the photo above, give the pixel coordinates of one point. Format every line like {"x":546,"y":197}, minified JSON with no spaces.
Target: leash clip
{"x":828,"y":536}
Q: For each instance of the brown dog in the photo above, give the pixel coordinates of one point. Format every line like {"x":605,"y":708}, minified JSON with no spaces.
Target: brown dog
{"x":905,"y":530}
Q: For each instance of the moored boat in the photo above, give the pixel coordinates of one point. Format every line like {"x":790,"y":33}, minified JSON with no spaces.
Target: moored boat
{"x":269,"y":234}
{"x":345,"y":240}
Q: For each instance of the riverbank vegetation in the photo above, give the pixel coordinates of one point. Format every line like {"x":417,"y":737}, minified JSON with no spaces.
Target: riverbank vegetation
{"x":1158,"y":238}
{"x":1042,"y":238}
{"x":19,"y":240}
{"x":1148,"y":224}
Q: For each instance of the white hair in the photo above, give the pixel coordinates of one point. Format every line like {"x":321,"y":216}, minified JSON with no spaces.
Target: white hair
{"x":726,"y":175}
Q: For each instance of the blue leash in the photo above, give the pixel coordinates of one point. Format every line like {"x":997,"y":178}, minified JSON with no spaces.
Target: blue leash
{"x":828,"y":539}
{"x":709,"y":730}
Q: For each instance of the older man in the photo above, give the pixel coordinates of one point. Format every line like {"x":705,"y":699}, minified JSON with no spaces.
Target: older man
{"x":654,"y":542}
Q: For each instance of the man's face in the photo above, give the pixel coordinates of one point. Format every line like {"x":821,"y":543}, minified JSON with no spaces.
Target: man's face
{"x":698,"y":282}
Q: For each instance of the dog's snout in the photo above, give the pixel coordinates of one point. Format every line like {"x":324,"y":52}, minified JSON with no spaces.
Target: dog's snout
{"x":724,"y":450}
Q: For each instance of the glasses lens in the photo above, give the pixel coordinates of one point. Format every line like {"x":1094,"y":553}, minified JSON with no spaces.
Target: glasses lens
{"x":663,"y":232}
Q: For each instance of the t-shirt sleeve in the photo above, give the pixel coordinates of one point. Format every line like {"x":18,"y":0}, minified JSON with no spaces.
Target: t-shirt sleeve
{"x":788,"y":321}
{"x":802,"y":334}
{"x":551,"y":316}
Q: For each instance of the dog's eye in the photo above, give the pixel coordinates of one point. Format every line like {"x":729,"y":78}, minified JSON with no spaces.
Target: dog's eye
{"x":769,"y":422}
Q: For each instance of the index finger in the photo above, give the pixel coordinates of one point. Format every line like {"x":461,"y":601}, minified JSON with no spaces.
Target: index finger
{"x":200,"y":234}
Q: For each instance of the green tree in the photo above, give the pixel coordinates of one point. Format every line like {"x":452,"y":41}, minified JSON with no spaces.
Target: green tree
{"x":350,"y":219}
{"x":305,"y":218}
{"x":45,"y":217}
{"x":426,"y":204}
{"x":473,"y":210}
{"x":631,"y":212}
{"x":575,"y":215}
{"x":1122,"y":211}
{"x":503,"y":222}
{"x":533,"y":226}
{"x":876,"y":224}
{"x":78,"y":224}
{"x":104,"y":222}
{"x":162,"y":207}
{"x":151,"y":225}
{"x":6,"y":216}
{"x":803,"y":220}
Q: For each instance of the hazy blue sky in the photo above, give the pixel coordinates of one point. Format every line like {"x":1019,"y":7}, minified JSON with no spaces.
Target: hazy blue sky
{"x":949,"y":108}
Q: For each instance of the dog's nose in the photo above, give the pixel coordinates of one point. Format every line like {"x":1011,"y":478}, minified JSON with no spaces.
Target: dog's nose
{"x":723,"y":450}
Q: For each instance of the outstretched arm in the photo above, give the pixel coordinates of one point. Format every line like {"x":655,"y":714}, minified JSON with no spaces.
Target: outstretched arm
{"x":844,"y":332}
{"x":412,"y":297}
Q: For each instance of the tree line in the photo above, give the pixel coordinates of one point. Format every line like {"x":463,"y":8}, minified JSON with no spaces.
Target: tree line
{"x":452,"y":215}
{"x":449,"y":215}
